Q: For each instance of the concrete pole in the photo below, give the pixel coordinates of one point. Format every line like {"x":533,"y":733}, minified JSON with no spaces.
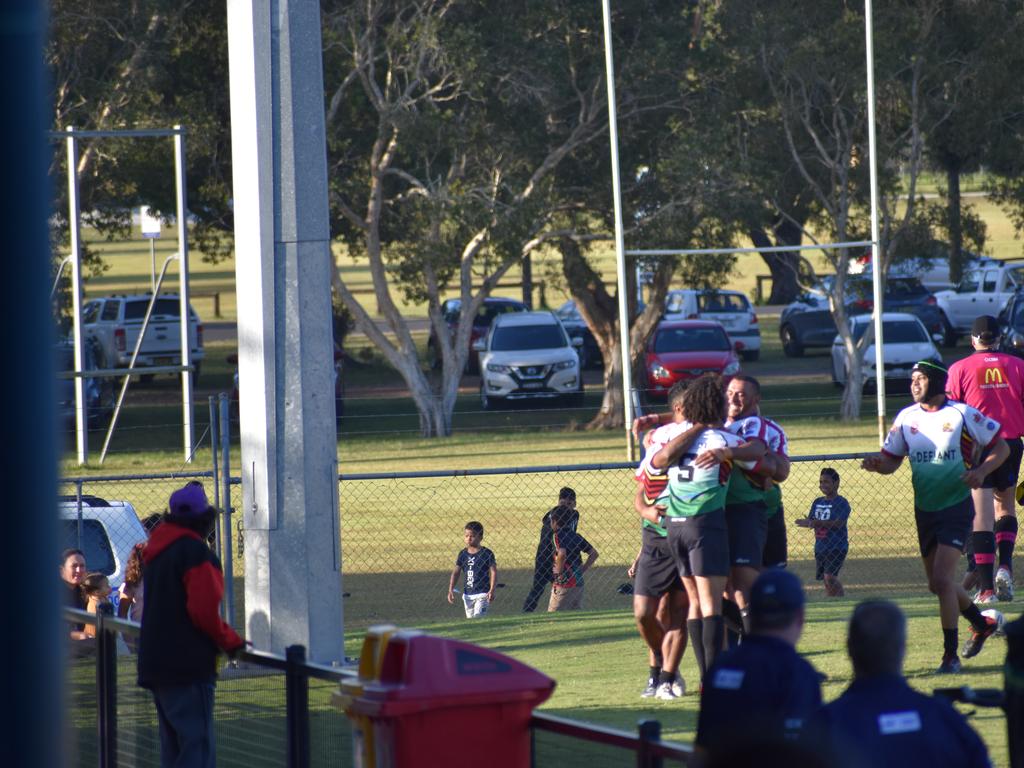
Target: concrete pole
{"x":285,"y":346}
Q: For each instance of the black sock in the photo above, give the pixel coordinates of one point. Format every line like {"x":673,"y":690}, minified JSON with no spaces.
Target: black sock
{"x":1006,"y":537}
{"x":973,"y":614}
{"x":745,"y":613}
{"x":713,"y":633}
{"x":659,"y":660}
{"x":984,"y":555}
{"x":949,"y":642}
{"x":695,"y":629}
{"x":655,"y":673}
{"x":666,"y":677}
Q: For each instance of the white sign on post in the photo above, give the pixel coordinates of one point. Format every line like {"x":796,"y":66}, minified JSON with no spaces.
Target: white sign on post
{"x":149,"y":224}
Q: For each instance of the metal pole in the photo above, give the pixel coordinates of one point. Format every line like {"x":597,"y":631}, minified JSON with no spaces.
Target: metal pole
{"x":877,"y":265}
{"x":186,"y":318}
{"x":131,"y":365}
{"x":215,"y":456}
{"x":74,"y":224}
{"x":620,"y":259}
{"x":152,"y":265}
{"x":78,"y":504}
{"x":228,"y":563}
{"x":296,"y":706}
{"x":106,"y":687}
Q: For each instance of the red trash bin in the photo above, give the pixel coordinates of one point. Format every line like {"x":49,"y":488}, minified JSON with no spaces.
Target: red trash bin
{"x":445,"y":702}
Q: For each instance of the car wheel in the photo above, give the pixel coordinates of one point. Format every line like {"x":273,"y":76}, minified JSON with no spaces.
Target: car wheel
{"x":486,"y":403}
{"x":433,"y":358}
{"x":147,"y":378}
{"x":949,"y":334}
{"x":835,"y":377}
{"x":750,"y":355}
{"x":197,"y":367}
{"x":575,"y":400}
{"x":791,"y":346}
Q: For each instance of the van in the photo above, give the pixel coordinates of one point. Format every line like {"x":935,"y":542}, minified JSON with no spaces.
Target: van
{"x":106,"y":533}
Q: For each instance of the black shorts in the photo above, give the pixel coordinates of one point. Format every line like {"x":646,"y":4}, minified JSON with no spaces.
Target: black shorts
{"x":1005,"y":475}
{"x":656,"y":571}
{"x":829,"y":561}
{"x":775,"y":546}
{"x":950,"y":526}
{"x":699,"y":544}
{"x":747,"y":532}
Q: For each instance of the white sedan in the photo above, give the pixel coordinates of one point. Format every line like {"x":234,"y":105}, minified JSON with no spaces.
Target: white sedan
{"x":905,"y":342}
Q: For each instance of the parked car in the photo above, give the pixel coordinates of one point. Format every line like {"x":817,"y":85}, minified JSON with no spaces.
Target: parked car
{"x":109,"y":530}
{"x":808,"y":323}
{"x":576,"y":327}
{"x":686,"y":349}
{"x":985,"y":290}
{"x":931,"y":268}
{"x":490,"y":309}
{"x":114,"y":323}
{"x":731,"y":309}
{"x":529,"y":355}
{"x":1011,"y":321}
{"x":99,"y":392}
{"x":905,"y":342}
{"x":339,"y":384}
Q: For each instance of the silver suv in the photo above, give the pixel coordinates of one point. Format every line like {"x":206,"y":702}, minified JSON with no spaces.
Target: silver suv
{"x":528,"y":355}
{"x":114,"y":323}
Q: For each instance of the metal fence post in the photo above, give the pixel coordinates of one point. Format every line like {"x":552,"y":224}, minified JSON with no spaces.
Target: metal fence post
{"x":228,"y":558}
{"x":297,"y":706}
{"x":106,"y":687}
{"x":649,"y":732}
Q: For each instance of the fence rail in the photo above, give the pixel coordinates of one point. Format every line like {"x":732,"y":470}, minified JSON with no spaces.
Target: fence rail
{"x":266,"y":713}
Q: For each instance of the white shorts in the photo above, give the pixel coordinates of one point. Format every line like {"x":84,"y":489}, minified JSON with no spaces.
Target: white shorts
{"x":476,"y":605}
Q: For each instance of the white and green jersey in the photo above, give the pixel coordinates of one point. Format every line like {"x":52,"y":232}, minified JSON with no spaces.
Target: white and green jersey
{"x":693,"y":491}
{"x":655,"y":482}
{"x":941,"y":445}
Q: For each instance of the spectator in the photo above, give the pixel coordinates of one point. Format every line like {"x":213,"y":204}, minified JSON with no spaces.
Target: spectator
{"x":95,"y":590}
{"x":72,"y":571}
{"x":880,"y":721}
{"x":481,"y":570}
{"x":827,"y":518}
{"x":182,"y":631}
{"x":762,"y":689}
{"x":568,"y":569}
{"x":131,"y":598}
{"x":546,"y":550}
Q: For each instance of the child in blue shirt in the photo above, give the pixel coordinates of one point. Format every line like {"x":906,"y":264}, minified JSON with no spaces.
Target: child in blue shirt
{"x":828,"y":517}
{"x":481,"y":570}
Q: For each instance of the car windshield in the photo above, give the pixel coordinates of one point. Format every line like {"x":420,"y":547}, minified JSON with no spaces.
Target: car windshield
{"x":136,"y":310}
{"x":690,"y":340}
{"x":721,"y":302}
{"x":896,"y":332}
{"x":520,"y":337}
{"x":485,"y":315}
{"x":904,"y":286}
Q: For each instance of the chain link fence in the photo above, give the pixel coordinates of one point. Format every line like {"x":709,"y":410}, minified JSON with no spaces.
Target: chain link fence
{"x":401,"y":533}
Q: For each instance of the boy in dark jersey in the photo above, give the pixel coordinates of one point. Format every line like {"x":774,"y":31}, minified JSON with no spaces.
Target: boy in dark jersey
{"x":481,"y":570}
{"x":569,"y":566}
{"x":827,"y":518}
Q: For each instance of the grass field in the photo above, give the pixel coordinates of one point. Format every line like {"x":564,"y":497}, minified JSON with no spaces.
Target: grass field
{"x":597,"y":659}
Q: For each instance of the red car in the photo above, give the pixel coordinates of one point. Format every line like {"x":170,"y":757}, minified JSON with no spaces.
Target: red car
{"x":686,"y":349}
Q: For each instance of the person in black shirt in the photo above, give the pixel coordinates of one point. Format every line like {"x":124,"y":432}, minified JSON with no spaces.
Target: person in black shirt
{"x":72,"y":571}
{"x":568,"y":568}
{"x":546,"y":551}
{"x":880,"y":721}
{"x":481,"y":569}
{"x":762,"y":690}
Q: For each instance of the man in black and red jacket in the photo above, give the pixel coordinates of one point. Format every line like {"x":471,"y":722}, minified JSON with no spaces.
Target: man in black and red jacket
{"x":182,"y":631}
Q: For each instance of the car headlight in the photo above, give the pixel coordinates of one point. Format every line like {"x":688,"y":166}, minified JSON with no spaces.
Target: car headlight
{"x":1016,"y":339}
{"x":659,"y":371}
{"x":732,"y":368}
{"x":561,"y":366}
{"x":498,"y":368}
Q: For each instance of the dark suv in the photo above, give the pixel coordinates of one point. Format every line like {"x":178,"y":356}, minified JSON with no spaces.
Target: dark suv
{"x":490,"y":309}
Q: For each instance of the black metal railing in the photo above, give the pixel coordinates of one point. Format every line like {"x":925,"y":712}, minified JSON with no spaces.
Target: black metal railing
{"x":107,"y":746}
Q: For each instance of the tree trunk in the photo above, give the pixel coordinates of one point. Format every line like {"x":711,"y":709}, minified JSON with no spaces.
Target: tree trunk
{"x":527,"y":269}
{"x":784,"y":266}
{"x":610,"y":415}
{"x":853,"y":391}
{"x":956,"y":231}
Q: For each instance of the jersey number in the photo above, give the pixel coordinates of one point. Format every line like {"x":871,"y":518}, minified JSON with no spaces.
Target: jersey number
{"x":683,"y":471}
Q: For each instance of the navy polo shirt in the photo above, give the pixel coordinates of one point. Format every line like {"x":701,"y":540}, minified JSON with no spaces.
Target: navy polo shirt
{"x":761,"y":689}
{"x":882,"y":722}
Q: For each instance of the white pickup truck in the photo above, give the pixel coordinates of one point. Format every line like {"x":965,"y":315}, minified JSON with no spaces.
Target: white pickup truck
{"x":114,"y":323}
{"x":984,"y":290}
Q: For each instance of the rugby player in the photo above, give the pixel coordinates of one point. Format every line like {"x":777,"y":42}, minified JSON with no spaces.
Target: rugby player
{"x":993,"y":382}
{"x":943,"y":440}
{"x":693,"y":511}
{"x":660,"y":603}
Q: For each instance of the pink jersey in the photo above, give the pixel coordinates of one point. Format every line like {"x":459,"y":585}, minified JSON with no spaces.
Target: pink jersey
{"x":992,"y":382}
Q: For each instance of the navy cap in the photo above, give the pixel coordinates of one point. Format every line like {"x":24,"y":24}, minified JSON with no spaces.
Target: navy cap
{"x":985,"y":328}
{"x":776,"y":592}
{"x":189,"y":501}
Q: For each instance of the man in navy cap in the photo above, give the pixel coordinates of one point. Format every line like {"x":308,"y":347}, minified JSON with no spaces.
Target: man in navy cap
{"x":182,"y":631}
{"x":880,"y":720}
{"x":762,"y":689}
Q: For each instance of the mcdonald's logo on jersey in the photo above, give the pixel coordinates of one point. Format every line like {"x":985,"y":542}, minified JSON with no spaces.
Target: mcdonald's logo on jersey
{"x":993,"y":376}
